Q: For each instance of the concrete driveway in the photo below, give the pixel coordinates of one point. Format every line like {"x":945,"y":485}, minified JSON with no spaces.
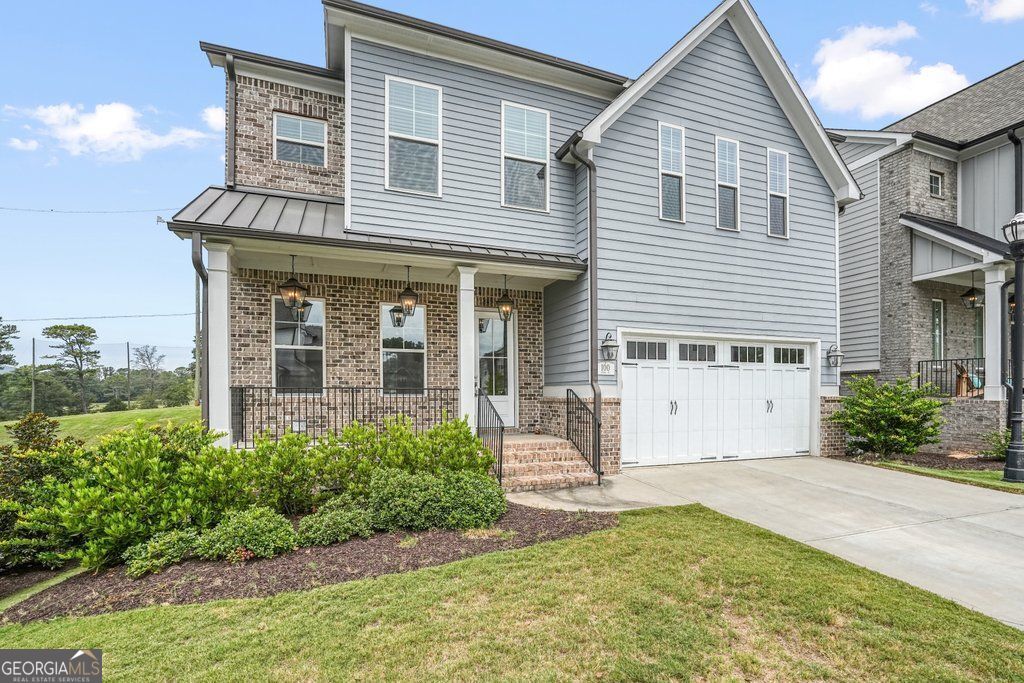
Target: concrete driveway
{"x":962,"y":542}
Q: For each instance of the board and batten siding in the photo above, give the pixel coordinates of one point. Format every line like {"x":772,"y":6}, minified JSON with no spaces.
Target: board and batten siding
{"x":986,"y":191}
{"x":692,"y":277}
{"x":469,"y":209}
{"x":859,"y":274}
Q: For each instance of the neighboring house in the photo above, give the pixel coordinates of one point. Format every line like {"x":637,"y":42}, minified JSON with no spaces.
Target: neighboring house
{"x":938,"y":186}
{"x":706,"y":191}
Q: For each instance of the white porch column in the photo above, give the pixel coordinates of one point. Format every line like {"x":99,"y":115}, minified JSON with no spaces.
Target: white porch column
{"x":467,"y":344}
{"x":994,"y":278}
{"x":219,"y":336}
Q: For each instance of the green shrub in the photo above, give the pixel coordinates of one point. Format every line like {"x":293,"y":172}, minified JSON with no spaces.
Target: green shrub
{"x":34,"y":432}
{"x":335,"y":522}
{"x":890,"y":418}
{"x":998,"y":443}
{"x":247,"y":534}
{"x":419,"y":501}
{"x":164,"y":549}
{"x":114,"y":405}
{"x":452,"y":446}
{"x":286,"y":473}
{"x":470,"y":500}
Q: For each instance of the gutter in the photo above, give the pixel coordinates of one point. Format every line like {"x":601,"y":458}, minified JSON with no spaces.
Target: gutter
{"x":229,"y":173}
{"x":203,"y":341}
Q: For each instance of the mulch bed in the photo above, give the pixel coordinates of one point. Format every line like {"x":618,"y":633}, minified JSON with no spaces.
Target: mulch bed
{"x":936,"y":460}
{"x":14,"y":581}
{"x":197,"y":581}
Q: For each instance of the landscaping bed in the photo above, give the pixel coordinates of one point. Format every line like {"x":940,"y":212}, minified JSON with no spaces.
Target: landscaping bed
{"x":934,"y":460}
{"x":15,"y":581}
{"x":195,"y":581}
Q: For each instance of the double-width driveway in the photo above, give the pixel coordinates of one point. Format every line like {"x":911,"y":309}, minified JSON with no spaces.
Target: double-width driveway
{"x":962,"y":542}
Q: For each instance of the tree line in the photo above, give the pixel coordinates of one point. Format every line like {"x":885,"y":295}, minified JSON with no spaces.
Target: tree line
{"x":73,"y":380}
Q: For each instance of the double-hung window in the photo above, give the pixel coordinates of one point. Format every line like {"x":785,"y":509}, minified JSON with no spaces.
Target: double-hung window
{"x":300,"y":139}
{"x":403,"y":351}
{"x":778,"y":193}
{"x":524,"y":157}
{"x":298,"y":347}
{"x":672,"y":164}
{"x":413,"y":123}
{"x":727,"y":171}
{"x":935,"y":184}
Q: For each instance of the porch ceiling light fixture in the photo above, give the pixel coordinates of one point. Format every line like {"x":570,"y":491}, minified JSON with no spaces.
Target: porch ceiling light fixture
{"x":609,"y":348}
{"x":505,"y":304}
{"x":835,"y":356}
{"x":973,"y":297}
{"x":397,"y":316}
{"x":292,"y":291}
{"x":408,"y":298}
{"x":301,"y":312}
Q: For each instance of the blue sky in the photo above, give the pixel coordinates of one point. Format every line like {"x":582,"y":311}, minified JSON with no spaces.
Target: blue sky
{"x":149,"y":146}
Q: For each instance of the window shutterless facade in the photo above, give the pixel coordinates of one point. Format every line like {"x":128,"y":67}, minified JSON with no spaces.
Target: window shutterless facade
{"x":935,"y":183}
{"x":300,"y":139}
{"x":778,"y":193}
{"x":938,"y":328}
{"x":525,"y":172}
{"x":403,"y":352}
{"x":979,"y":332}
{"x":412,"y":122}
{"x":672,"y":167}
{"x":298,"y":351}
{"x":727,"y":173}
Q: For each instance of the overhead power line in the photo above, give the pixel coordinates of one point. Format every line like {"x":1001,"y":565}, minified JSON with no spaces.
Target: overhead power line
{"x":98,"y":317}
{"x":84,"y":211}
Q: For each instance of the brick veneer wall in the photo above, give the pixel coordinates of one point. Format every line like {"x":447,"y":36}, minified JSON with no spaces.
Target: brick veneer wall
{"x":967,"y":422}
{"x":832,"y":436}
{"x":552,"y":421}
{"x":352,"y":335}
{"x":256,"y":101}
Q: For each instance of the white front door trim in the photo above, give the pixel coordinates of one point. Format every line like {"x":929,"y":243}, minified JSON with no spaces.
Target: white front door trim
{"x":508,"y":406}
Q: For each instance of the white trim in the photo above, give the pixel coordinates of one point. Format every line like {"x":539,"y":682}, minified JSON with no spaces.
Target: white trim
{"x":946,"y":272}
{"x":547,"y":158}
{"x":347,"y":114}
{"x":276,"y":137}
{"x":381,"y":305}
{"x":838,"y":283}
{"x":769,"y":194}
{"x":942,"y":184}
{"x":681,"y":175}
{"x":874,"y":157}
{"x":274,"y":298}
{"x":960,"y":192}
{"x":512,"y":356}
{"x":936,"y":150}
{"x":388,"y":135}
{"x":718,"y":221}
{"x":942,"y":328}
{"x":872,"y":136}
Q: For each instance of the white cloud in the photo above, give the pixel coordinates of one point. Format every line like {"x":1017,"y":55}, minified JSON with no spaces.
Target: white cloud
{"x":856,"y":75}
{"x":929,"y":8}
{"x":23,"y":145}
{"x":213,"y":117}
{"x":111,"y":132}
{"x":997,"y":10}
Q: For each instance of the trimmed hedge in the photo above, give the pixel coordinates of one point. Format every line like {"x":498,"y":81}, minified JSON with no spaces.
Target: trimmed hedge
{"x":335,"y":522}
{"x":247,"y":534}
{"x":420,"y":501}
{"x":163,"y":550}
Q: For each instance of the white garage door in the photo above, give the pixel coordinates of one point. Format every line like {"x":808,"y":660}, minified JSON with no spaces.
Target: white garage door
{"x":693,"y":401}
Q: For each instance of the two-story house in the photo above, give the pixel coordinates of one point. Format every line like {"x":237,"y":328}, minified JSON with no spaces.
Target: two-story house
{"x":441,"y":224}
{"x":923,"y":258}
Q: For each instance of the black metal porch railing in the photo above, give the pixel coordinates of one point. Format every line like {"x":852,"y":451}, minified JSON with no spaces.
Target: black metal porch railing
{"x":954,"y":377}
{"x":583,"y":429}
{"x":491,"y":429}
{"x":273,"y":411}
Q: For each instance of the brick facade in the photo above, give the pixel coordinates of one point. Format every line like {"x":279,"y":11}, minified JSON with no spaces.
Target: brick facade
{"x":967,"y":423}
{"x":552,"y":421}
{"x":256,"y":100}
{"x":832,"y":437}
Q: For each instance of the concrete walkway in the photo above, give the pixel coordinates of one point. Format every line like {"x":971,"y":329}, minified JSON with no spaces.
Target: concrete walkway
{"x":961,"y":542}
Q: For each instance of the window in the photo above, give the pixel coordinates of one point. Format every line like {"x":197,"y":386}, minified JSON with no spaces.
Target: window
{"x":403,"y":351}
{"x":778,"y":193}
{"x":524,"y":157}
{"x":301,"y":140}
{"x":747,"y":354}
{"x":697,"y":352}
{"x":979,"y":332}
{"x":298,"y":347}
{"x":413,"y":123}
{"x":672,"y":164}
{"x":493,"y":355}
{"x":789,"y":356}
{"x":639,"y":350}
{"x":935,"y":183}
{"x":938,"y":328}
{"x":727,"y":170}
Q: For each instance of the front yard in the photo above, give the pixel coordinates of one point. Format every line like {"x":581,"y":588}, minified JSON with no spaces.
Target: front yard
{"x":671,"y":593}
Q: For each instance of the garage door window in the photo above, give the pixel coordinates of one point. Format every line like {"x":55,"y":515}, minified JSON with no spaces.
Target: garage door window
{"x":697,"y":353}
{"x":638,"y":350}
{"x":747,"y":354}
{"x":789,"y":356}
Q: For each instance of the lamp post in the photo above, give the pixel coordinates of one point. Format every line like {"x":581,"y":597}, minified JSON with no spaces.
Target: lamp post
{"x":1014,"y":468}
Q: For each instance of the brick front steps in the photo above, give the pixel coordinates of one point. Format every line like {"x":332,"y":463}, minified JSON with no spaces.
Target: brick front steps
{"x":540,"y":462}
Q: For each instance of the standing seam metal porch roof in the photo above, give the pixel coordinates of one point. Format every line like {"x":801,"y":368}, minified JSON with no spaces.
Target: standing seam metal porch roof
{"x":317,"y":219}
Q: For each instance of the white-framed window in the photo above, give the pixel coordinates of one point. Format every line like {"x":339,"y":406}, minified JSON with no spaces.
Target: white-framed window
{"x":672,"y":167}
{"x":979,"y":332}
{"x":697,"y":353}
{"x":727,"y":174}
{"x":646,"y":350}
{"x":778,"y":193}
{"x":789,"y":355}
{"x":746,"y":354}
{"x":935,"y":183}
{"x":938,"y":329}
{"x":298,"y":351}
{"x":300,"y":139}
{"x":525,"y":135}
{"x":412,"y":128}
{"x":403,"y":360}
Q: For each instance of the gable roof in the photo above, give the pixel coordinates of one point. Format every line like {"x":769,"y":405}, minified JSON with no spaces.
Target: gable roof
{"x":993,"y":104}
{"x":776,"y":73}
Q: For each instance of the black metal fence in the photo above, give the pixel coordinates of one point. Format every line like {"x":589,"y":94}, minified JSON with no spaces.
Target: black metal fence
{"x":315,"y":412}
{"x":583,"y":429}
{"x":491,"y":430}
{"x":955,"y":377}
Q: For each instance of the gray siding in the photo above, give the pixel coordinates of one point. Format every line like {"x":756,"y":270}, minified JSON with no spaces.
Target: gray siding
{"x":930,"y":257}
{"x":693,"y":277}
{"x":853,"y":151}
{"x":565,"y":332}
{"x":470,"y":209}
{"x":858,"y":274}
{"x":986,"y":191}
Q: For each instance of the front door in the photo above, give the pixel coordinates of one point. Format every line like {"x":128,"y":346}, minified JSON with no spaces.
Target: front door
{"x":496,"y":362}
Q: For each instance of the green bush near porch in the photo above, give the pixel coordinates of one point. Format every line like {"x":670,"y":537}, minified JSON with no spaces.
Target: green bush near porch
{"x":889,"y":418}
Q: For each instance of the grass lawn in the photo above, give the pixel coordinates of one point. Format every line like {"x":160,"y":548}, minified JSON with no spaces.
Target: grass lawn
{"x":990,"y":479}
{"x":94,"y":425}
{"x":672,"y":593}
